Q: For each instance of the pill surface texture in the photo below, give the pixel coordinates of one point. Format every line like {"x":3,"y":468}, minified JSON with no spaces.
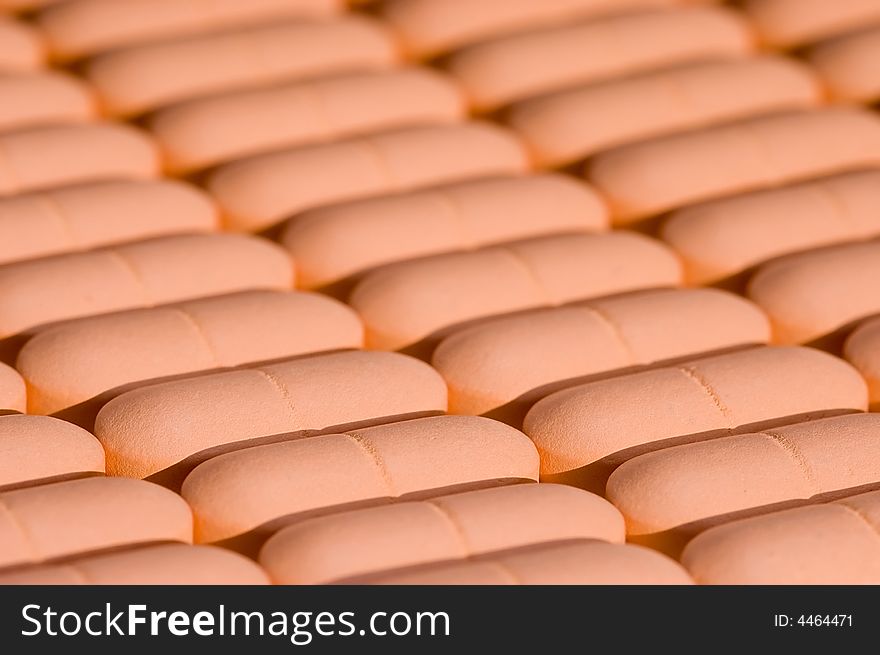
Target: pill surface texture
{"x":13,"y":394}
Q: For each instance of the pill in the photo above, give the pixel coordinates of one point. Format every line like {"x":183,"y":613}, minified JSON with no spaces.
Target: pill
{"x":163,"y":564}
{"x":79,"y":28}
{"x":506,"y":364}
{"x":459,"y":526}
{"x":565,"y":127}
{"x":834,"y":543}
{"x":496,"y":73}
{"x":12,"y":389}
{"x":25,"y":5}
{"x":791,"y":23}
{"x":148,"y":76}
{"x":209,"y":131}
{"x":862,"y":350}
{"x":140,"y":274}
{"x":258,"y":192}
{"x":721,"y":238}
{"x":586,"y":562}
{"x":97,"y":214}
{"x":21,"y":48}
{"x":78,"y":516}
{"x":337,"y":241}
{"x":261,"y":488}
{"x":431,"y":27}
{"x":404,"y":303}
{"x":146,"y":430}
{"x":31,"y":99}
{"x":848,"y":66}
{"x":75,"y":361}
{"x":650,"y":177}
{"x":585,"y":432}
{"x":812,"y":294}
{"x":672,"y":494}
{"x":38,"y":158}
{"x":40,"y":448}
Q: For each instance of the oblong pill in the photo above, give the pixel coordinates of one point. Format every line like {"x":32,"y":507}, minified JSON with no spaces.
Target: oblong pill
{"x":97,"y":214}
{"x":572,"y":125}
{"x":721,"y":238}
{"x":257,"y":192}
{"x":809,"y":295}
{"x":21,"y":48}
{"x":164,"y":564}
{"x":790,"y":23}
{"x":85,"y":27}
{"x":360,"y":542}
{"x":78,"y":516}
{"x":834,"y":543}
{"x":13,"y":394}
{"x":43,"y":98}
{"x":406,"y":302}
{"x":848,"y":66}
{"x":430,"y":27}
{"x":571,"y":563}
{"x":38,"y":448}
{"x":530,"y":64}
{"x":214,"y":130}
{"x":43,"y":157}
{"x":78,"y":360}
{"x":584,"y":432}
{"x":140,"y":274}
{"x":499,"y":362}
{"x":334,"y":242}
{"x":149,"y":429}
{"x":862,"y":350}
{"x":669,"y":495}
{"x":248,"y":489}
{"x":650,"y":177}
{"x":145,"y":77}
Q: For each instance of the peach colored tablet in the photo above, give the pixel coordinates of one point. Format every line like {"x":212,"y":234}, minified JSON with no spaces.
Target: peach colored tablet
{"x":809,"y":295}
{"x":459,"y":526}
{"x":496,"y":73}
{"x":721,"y":238}
{"x":403,"y":303}
{"x":218,"y":129}
{"x":430,"y":27}
{"x":165,"y":564}
{"x":334,"y":242}
{"x":673,"y":493}
{"x":140,"y":274}
{"x":21,"y":47}
{"x":571,"y":125}
{"x":862,"y":350}
{"x":39,"y":448}
{"x":97,"y":214}
{"x":260,"y":191}
{"x":12,"y":389}
{"x":78,"y":360}
{"x":149,"y":429}
{"x":77,"y":28}
{"x":650,"y":177}
{"x":586,"y":562}
{"x":145,"y":77}
{"x":50,"y":156}
{"x":584,"y":432}
{"x":820,"y":544}
{"x":245,"y":490}
{"x":848,"y":66}
{"x":501,"y":361}
{"x":78,"y":516}
{"x":43,"y":98}
{"x":790,"y":23}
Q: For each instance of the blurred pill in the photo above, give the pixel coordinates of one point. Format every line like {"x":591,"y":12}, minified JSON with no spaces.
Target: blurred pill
{"x":43,"y":98}
{"x":334,"y":242}
{"x":12,"y":389}
{"x":21,"y":47}
{"x":848,"y":66}
{"x":499,"y":362}
{"x":791,"y":23}
{"x":862,"y":350}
